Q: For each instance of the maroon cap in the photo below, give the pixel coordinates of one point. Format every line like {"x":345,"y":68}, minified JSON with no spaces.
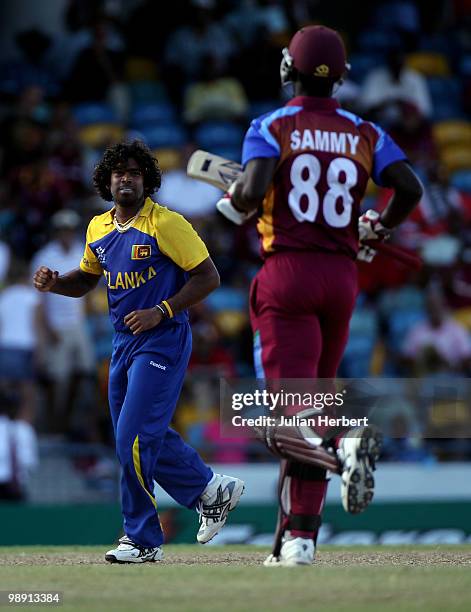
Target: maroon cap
{"x":318,"y":51}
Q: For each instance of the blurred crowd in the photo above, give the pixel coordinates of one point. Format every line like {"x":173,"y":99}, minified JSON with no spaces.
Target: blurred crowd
{"x":193,"y":78}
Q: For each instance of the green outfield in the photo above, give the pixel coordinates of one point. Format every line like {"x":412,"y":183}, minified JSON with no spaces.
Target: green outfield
{"x":231,"y":578}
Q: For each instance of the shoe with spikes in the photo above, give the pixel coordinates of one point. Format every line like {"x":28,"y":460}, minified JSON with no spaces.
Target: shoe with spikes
{"x":358,"y":451}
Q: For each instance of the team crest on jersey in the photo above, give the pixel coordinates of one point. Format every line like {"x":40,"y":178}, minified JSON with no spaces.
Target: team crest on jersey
{"x":321,"y":71}
{"x":140,"y":251}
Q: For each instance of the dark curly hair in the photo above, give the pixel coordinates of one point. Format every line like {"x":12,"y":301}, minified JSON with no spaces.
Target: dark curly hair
{"x":119,"y":153}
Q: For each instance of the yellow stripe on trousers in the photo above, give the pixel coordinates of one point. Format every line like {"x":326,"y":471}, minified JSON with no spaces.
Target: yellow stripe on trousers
{"x":137,"y":466}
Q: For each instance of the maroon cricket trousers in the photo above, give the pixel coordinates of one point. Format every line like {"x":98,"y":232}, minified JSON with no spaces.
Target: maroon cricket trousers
{"x":301,"y":303}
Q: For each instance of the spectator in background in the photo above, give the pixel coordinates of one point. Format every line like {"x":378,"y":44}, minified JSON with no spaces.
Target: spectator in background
{"x":32,"y":67}
{"x":249,"y":15}
{"x":413,"y":133}
{"x":214,"y":96}
{"x":190,"y":44}
{"x":257,"y":67}
{"x":19,"y":316}
{"x":67,"y":354}
{"x":18,"y":450}
{"x":22,"y":130}
{"x":438,"y":344}
{"x":386,"y":87}
{"x":98,"y":73}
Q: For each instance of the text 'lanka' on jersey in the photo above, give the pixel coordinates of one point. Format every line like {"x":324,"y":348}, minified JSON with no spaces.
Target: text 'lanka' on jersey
{"x":145,"y":264}
{"x":325,"y":157}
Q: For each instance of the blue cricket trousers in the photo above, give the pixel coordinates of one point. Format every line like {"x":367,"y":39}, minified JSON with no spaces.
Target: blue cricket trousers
{"x":146,"y":376}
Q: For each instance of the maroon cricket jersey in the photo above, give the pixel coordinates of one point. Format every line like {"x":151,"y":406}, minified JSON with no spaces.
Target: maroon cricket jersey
{"x":325,"y":158}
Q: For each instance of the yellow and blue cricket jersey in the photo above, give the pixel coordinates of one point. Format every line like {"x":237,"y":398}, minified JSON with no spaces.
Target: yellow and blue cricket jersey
{"x":147,"y":263}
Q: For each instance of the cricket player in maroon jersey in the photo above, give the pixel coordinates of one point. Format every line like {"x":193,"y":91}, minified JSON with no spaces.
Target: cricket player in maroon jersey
{"x":306,"y":168}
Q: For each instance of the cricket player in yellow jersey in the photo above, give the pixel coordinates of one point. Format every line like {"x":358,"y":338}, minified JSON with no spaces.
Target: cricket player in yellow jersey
{"x":155,"y":266}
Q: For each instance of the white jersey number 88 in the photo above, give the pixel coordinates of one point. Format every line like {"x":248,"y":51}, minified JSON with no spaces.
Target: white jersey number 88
{"x":310,"y":166}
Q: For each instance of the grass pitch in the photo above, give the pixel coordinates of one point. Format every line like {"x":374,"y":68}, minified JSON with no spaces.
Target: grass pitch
{"x":231,"y":578}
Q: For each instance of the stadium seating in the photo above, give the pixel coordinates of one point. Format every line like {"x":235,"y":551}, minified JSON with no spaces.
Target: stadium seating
{"x":465,"y":65}
{"x":98,"y":123}
{"x":456,"y":157}
{"x":231,"y":322}
{"x":461,"y":180}
{"x":147,"y":91}
{"x":452,"y":133}
{"x":446,"y":97}
{"x":212,"y":134}
{"x":89,"y":113}
{"x":99,"y":135}
{"x":408,"y":297}
{"x":146,"y":113}
{"x":363,"y":336}
{"x":428,"y":63}
{"x":160,"y":136}
{"x":227,"y":298}
{"x":140,"y":69}
{"x":378,"y":41}
{"x":362,"y":63}
{"x":169,"y":158}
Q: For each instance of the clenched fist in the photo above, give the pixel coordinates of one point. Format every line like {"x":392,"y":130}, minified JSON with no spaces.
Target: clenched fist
{"x":44,"y":279}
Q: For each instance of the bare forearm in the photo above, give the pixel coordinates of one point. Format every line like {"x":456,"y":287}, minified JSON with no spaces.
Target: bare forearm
{"x":242,"y":202}
{"x":252,"y":186}
{"x":399,"y":208}
{"x":195,"y":290}
{"x":407,"y":193}
{"x":74,"y":284}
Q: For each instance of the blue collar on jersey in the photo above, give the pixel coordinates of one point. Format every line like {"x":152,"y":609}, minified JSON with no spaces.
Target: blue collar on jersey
{"x":313,"y":103}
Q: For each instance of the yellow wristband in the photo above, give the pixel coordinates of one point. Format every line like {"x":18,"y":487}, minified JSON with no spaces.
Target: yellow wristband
{"x":167,"y":306}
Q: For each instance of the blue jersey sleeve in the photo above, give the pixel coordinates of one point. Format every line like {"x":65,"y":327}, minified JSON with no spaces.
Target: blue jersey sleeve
{"x":259,"y":142}
{"x":386,"y":153}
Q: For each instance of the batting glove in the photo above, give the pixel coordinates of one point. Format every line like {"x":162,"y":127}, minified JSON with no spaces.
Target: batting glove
{"x":366,"y":253}
{"x":371,"y":228}
{"x":226,"y":208}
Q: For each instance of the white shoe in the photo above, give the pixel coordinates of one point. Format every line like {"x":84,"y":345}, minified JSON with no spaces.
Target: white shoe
{"x":130,"y":552}
{"x":358,"y":452}
{"x":295,"y":551}
{"x":220,"y":497}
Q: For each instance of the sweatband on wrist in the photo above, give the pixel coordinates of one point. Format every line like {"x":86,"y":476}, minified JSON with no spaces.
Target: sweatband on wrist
{"x":169,"y":310}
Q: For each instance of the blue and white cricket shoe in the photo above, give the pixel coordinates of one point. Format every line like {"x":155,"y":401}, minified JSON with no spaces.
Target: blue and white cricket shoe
{"x":130,"y":552}
{"x":221,"y":495}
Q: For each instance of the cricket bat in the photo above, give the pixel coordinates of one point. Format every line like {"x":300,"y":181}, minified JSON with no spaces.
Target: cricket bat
{"x":213,"y":169}
{"x":221,"y":173}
